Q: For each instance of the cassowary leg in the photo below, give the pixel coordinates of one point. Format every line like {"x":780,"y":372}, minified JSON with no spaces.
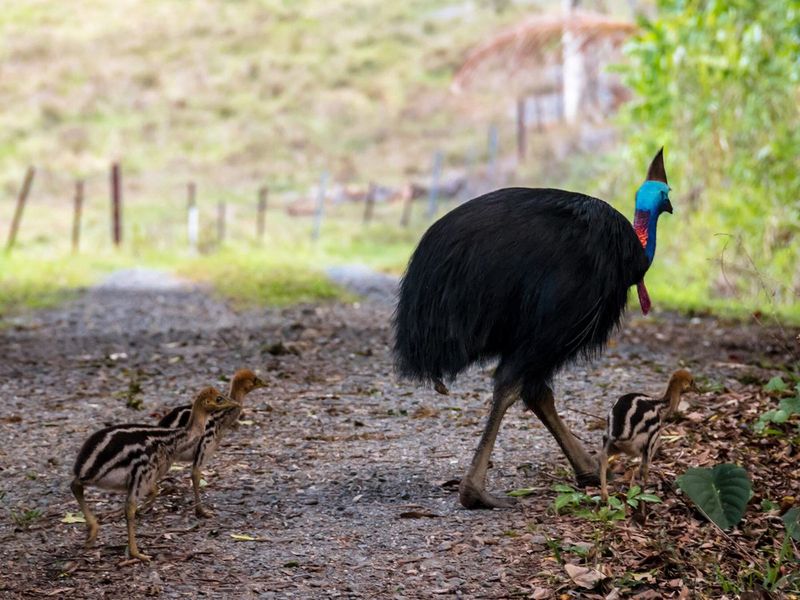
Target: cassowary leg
{"x":585,"y":467}
{"x":472,"y":491}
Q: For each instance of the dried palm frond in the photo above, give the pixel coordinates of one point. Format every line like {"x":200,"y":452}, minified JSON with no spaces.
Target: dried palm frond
{"x":535,"y":44}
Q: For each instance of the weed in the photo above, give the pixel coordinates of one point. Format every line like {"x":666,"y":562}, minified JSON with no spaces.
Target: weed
{"x":26,"y":518}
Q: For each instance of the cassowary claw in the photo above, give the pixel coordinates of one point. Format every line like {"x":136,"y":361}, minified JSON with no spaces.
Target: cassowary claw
{"x":472,"y":497}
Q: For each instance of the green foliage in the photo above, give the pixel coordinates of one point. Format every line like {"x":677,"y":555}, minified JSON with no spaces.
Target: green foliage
{"x":787,"y":408}
{"x":721,"y":493}
{"x":716,"y":82}
{"x":570,"y":500}
{"x":26,"y":518}
{"x":776,"y":384}
{"x":791,"y":520}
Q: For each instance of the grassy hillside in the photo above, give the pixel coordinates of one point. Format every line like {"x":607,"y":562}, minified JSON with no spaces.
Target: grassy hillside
{"x":235,"y":92}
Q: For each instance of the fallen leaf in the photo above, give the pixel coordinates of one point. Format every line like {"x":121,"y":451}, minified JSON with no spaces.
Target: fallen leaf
{"x":240,"y":537}
{"x":584,"y":576}
{"x":73,"y":518}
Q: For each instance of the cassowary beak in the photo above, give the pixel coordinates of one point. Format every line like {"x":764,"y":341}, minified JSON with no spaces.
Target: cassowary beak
{"x":668,"y":207}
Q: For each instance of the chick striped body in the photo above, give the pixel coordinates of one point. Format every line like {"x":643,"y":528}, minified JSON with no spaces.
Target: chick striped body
{"x":198,"y":450}
{"x":634,"y":425}
{"x":131,"y":457}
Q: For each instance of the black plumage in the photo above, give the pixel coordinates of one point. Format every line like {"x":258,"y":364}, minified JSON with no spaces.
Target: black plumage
{"x":534,"y":278}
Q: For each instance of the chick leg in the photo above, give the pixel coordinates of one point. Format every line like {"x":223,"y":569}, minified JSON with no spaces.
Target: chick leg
{"x":199,"y":509}
{"x":91,"y":520}
{"x":150,"y":500}
{"x":130,"y":517}
{"x":603,"y":475}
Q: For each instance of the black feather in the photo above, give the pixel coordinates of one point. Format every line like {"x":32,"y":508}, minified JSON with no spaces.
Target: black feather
{"x":534,"y":277}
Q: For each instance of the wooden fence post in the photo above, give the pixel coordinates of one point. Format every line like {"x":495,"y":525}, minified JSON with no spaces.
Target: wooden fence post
{"x":76,"y":218}
{"x":22,"y":197}
{"x":369,"y":203}
{"x":220,"y":223}
{"x":116,"y":204}
{"x":405,"y":219}
{"x":192,"y":217}
{"x":433,"y":192}
{"x":319,"y":213}
{"x":261,"y":217}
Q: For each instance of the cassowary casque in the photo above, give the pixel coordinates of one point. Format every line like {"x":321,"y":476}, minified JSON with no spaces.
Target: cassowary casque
{"x":535,"y":278}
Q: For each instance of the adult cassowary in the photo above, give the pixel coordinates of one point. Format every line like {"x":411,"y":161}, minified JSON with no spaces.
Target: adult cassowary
{"x":535,"y":278}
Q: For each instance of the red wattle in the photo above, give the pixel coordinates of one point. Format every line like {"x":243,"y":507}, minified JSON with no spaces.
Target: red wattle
{"x":644,"y":297}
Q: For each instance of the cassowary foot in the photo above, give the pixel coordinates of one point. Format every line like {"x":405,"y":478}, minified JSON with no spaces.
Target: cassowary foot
{"x":473,"y":497}
{"x":202,"y":512}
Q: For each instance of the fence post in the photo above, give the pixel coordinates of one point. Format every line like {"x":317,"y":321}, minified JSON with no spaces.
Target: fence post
{"x":192,"y":217}
{"x":220,"y":223}
{"x":262,"y":212}
{"x":76,"y":218}
{"x":433,"y":192}
{"x":22,"y":197}
{"x":369,"y":203}
{"x":405,"y":219}
{"x":522,"y":131}
{"x":319,"y":213}
{"x":116,"y":204}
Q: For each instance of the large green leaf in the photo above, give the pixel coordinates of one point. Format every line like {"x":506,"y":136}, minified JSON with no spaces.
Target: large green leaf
{"x":721,"y":493}
{"x":792,"y":522}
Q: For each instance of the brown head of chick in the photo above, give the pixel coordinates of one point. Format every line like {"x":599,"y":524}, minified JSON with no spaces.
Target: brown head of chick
{"x":243,"y":382}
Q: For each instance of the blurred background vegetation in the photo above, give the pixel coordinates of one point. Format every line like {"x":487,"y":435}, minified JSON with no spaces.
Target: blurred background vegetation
{"x":238,"y":95}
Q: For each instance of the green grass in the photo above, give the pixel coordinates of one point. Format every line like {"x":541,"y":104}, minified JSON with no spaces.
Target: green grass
{"x":259,"y":278}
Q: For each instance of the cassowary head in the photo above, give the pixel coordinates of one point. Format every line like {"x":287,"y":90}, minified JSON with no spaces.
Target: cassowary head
{"x":653,"y":195}
{"x":652,"y":199}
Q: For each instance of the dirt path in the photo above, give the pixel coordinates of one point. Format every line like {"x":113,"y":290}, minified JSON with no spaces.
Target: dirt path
{"x":332,"y":456}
